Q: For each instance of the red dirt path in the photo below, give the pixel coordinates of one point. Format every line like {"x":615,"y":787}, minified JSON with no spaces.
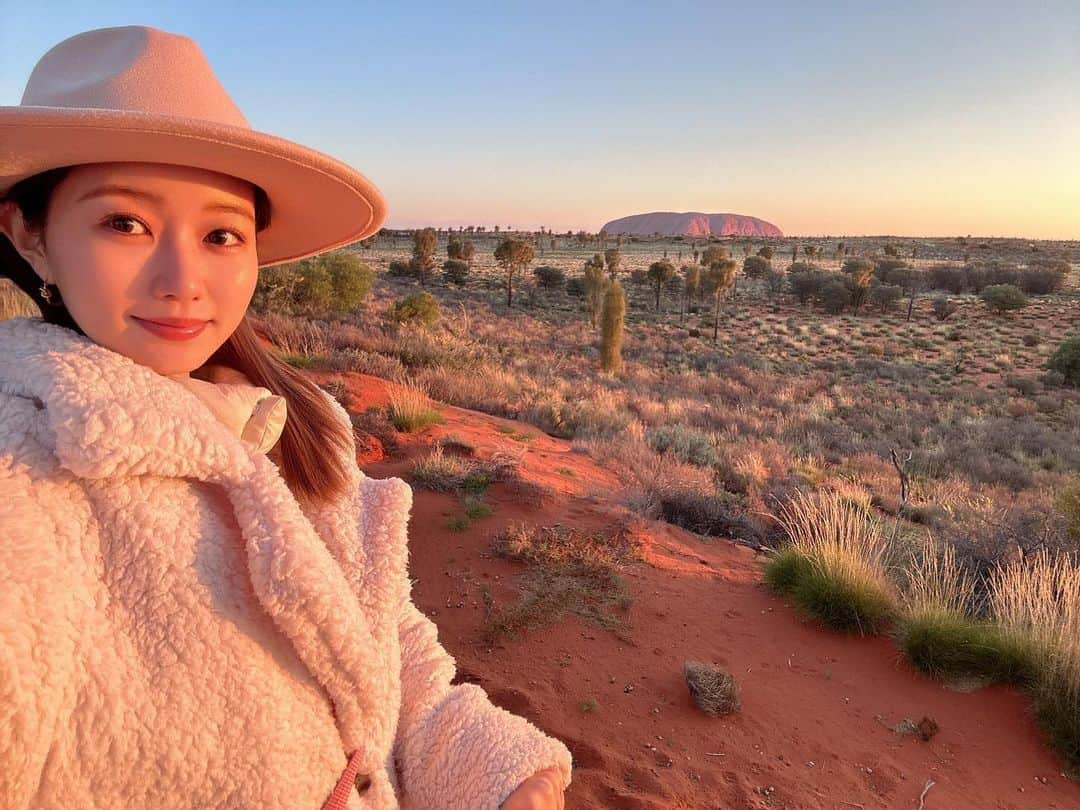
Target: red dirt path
{"x":815,"y":727}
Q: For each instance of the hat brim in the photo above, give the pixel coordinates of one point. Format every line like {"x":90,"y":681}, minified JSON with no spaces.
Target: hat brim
{"x":317,"y":202}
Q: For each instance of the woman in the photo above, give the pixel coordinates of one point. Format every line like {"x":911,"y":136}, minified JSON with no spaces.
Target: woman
{"x":203,"y":603}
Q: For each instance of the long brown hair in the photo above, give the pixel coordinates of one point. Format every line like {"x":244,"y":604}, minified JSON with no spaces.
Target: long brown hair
{"x":313,"y":449}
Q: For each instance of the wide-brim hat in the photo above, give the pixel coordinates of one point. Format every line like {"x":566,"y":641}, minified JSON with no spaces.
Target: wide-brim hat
{"x":136,"y":93}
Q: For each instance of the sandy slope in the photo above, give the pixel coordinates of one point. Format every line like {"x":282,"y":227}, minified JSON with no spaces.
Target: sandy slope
{"x":815,"y":728}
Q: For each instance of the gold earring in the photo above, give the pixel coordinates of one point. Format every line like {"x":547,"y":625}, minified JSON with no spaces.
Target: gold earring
{"x":47,"y":294}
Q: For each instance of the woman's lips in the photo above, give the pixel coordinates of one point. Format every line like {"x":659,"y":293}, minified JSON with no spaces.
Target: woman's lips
{"x":172,"y":332}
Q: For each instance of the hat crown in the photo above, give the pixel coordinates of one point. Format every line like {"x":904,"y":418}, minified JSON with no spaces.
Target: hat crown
{"x":133,"y":68}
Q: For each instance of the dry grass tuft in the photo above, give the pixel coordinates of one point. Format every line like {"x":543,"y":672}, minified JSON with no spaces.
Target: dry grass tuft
{"x":714,"y":690}
{"x":410,"y":409}
{"x":1037,"y":603}
{"x":569,"y":571}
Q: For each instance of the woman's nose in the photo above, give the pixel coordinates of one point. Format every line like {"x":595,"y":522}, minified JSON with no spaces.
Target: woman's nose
{"x":179,"y":271}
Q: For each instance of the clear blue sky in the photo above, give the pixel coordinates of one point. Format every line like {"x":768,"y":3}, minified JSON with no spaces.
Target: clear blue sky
{"x":928,"y":119}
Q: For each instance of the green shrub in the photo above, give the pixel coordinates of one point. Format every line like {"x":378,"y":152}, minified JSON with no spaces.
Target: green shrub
{"x":575,"y":286}
{"x":455,"y":271}
{"x":685,"y":443}
{"x":549,"y":278}
{"x":834,"y":296}
{"x":336,"y":281}
{"x":401,"y":269}
{"x":1003,"y":297}
{"x":421,"y":307}
{"x":1066,"y":360}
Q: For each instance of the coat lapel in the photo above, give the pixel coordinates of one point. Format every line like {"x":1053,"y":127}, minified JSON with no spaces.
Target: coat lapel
{"x":110,"y":417}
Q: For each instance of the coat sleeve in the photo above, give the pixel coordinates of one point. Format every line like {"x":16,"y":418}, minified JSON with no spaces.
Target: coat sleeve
{"x":454,"y":748}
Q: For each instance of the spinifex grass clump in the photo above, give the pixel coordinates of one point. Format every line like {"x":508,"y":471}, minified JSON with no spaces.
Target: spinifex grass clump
{"x":1037,"y":604}
{"x":410,"y":409}
{"x":569,"y":571}
{"x":936,"y":631}
{"x":834,"y":568}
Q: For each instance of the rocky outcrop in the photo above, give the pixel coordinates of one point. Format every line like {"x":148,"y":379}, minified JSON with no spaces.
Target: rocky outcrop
{"x":668,"y":223}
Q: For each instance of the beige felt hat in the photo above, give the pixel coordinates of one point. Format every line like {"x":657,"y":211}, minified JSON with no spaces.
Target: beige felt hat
{"x":135,"y":93}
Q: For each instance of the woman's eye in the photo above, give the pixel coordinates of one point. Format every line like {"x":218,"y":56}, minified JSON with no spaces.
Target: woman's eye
{"x":227,"y":233}
{"x":123,"y":219}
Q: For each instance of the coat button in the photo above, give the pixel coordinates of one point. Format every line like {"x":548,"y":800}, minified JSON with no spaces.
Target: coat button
{"x":363,"y":782}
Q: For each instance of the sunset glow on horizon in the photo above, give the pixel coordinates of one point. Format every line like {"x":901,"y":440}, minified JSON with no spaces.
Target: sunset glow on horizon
{"x":838,"y":121}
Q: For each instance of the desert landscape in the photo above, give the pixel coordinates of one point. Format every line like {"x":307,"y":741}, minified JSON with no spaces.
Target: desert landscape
{"x":747,"y":522}
{"x":585,"y":538}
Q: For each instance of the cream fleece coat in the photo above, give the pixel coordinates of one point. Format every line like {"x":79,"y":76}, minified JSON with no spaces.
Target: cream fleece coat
{"x":178,"y":631}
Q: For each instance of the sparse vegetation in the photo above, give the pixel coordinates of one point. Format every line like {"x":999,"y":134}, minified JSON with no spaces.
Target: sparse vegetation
{"x":410,"y":409}
{"x":568,"y":571}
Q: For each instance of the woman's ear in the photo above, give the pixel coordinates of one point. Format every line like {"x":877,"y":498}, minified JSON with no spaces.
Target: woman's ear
{"x":28,"y":243}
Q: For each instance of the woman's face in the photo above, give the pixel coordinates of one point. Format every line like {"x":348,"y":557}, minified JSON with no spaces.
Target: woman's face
{"x":129,"y":242}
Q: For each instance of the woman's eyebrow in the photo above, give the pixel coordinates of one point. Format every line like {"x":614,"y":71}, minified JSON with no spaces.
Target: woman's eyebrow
{"x":128,"y":191}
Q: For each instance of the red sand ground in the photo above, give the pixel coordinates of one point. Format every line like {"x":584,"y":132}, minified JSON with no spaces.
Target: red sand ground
{"x":815,"y":727}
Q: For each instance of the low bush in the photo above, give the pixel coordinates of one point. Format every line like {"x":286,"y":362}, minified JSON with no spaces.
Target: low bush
{"x":685,"y":443}
{"x":456,"y":271}
{"x":549,"y":278}
{"x":1003,"y":297}
{"x":1066,"y":360}
{"x":421,"y":308}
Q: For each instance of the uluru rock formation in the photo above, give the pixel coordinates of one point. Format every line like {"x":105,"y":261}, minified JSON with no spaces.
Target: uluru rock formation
{"x":691,"y":223}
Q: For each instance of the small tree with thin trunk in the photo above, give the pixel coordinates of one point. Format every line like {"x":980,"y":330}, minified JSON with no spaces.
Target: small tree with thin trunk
{"x":661,"y":273}
{"x":721,"y":276}
{"x":612,"y":257}
{"x":860,"y":271}
{"x":692,"y":276}
{"x":423,"y":255}
{"x":595,"y":286}
{"x":612,"y":327}
{"x":513,"y":256}
{"x":712,"y":255}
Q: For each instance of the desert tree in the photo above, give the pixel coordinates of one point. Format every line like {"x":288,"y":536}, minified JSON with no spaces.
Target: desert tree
{"x":859,"y":270}
{"x":660,"y":273}
{"x":721,"y":275}
{"x":885,"y":296}
{"x":453,"y":246}
{"x":611,"y":331}
{"x":713,"y":254}
{"x":595,"y":286}
{"x":612,"y":258}
{"x":943,"y":307}
{"x":423,"y":254}
{"x":765,"y":252}
{"x":692,"y":279}
{"x":513,"y":256}
{"x":756,"y":266}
